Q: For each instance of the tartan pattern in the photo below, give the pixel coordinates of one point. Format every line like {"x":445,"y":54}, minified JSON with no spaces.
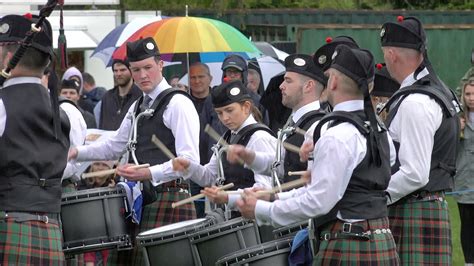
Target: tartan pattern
{"x":379,"y":250}
{"x":30,"y":243}
{"x":422,"y":232}
{"x":155,"y":215}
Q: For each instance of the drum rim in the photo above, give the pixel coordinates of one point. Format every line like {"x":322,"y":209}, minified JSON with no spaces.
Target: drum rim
{"x":92,"y":193}
{"x":177,"y":234}
{"x":231,"y":226}
{"x":237,"y":255}
{"x":288,"y":230}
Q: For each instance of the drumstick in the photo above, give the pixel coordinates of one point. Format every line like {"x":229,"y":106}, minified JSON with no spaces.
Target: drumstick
{"x":162,"y":147}
{"x":290,"y":173}
{"x":112,"y":171}
{"x":286,"y":186}
{"x":291,"y":147}
{"x":198,"y":196}
{"x":211,"y":132}
{"x":300,"y":131}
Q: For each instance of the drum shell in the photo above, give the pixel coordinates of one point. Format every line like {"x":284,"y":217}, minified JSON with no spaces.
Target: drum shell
{"x":289,"y":230}
{"x":273,"y":253}
{"x":212,"y":243}
{"x":94,"y":219}
{"x":174,"y":243}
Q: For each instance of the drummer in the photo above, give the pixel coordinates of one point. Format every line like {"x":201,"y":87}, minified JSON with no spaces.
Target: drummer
{"x":235,"y":110}
{"x":175,"y":121}
{"x":349,"y":175}
{"x":302,"y":86}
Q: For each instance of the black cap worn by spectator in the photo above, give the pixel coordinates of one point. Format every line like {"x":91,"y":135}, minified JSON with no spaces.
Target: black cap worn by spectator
{"x":235,"y":61}
{"x":13,"y":29}
{"x":142,"y":49}
{"x":120,"y":61}
{"x":70,"y":84}
{"x":229,"y":92}
{"x":304,"y":65}
{"x":322,"y":56}
{"x":406,"y":33}
{"x":384,"y":84}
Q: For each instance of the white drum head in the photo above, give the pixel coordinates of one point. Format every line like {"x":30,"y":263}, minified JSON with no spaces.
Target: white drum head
{"x":171,"y":227}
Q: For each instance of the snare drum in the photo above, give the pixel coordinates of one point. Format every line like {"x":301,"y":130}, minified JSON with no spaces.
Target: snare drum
{"x":169,"y":244}
{"x":289,"y":230}
{"x":214,"y":242}
{"x":94,"y":219}
{"x":273,"y":253}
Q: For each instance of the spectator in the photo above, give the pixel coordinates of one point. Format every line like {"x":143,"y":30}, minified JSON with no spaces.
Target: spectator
{"x":117,"y":101}
{"x":70,"y":90}
{"x":253,"y":81}
{"x":174,"y":80}
{"x":91,"y":94}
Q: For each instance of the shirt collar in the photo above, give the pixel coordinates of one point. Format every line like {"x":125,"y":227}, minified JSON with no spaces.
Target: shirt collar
{"x":21,"y":80}
{"x":350,"y":106}
{"x":163,"y":85}
{"x":250,"y":120}
{"x":408,"y":81}
{"x":305,"y":109}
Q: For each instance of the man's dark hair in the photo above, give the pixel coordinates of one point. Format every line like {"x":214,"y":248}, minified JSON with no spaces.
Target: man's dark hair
{"x":88,"y":78}
{"x":32,"y":59}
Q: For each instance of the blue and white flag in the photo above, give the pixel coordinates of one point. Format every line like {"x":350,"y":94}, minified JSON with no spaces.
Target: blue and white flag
{"x":134,"y":198}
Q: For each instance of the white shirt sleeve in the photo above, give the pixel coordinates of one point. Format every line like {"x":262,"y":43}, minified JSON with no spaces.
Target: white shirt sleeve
{"x":203,"y":175}
{"x":414,"y":127}
{"x":344,"y":147}
{"x":181,"y":117}
{"x":77,"y":134}
{"x":3,"y":117}
{"x":112,"y":147}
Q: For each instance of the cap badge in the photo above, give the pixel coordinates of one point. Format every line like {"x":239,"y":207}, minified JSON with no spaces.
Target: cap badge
{"x":382,"y":32}
{"x":4,"y":28}
{"x":322,"y":59}
{"x":150,"y":46}
{"x":299,"y":62}
{"x":234,"y":91}
{"x":334,"y":55}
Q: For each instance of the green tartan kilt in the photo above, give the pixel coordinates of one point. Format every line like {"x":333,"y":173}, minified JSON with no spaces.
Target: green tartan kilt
{"x":379,"y":250}
{"x":154,"y":215}
{"x":30,"y":243}
{"x":422,"y":232}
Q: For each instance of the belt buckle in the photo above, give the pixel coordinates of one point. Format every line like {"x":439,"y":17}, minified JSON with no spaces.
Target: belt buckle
{"x":42,"y":182}
{"x":43,"y":218}
{"x":346,"y":227}
{"x":327,"y":236}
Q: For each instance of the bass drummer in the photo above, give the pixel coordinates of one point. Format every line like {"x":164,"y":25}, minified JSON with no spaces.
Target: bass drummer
{"x":236,"y":111}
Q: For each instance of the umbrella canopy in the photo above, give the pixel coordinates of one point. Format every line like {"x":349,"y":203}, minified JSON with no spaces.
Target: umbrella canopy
{"x":268,"y":67}
{"x":270,"y":50}
{"x":194,"y":35}
{"x":118,"y":36}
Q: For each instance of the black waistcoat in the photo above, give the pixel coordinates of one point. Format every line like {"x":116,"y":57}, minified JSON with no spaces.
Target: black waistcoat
{"x":446,"y":138}
{"x":147,"y":151}
{"x":292,"y":160}
{"x":364,"y":197}
{"x":236,"y":173}
{"x":32,"y":160}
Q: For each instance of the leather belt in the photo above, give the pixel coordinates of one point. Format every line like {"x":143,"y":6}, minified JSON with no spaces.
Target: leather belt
{"x":172,"y":186}
{"x":423,"y":196}
{"x":26,"y":216}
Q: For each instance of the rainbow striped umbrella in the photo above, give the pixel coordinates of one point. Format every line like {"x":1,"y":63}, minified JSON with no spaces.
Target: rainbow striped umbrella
{"x":213,"y":39}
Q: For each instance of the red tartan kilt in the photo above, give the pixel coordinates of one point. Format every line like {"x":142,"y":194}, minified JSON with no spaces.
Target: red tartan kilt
{"x":379,"y":250}
{"x":30,"y":243}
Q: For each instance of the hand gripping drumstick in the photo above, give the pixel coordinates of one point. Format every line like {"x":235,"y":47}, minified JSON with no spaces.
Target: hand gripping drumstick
{"x":211,"y":132}
{"x":111,"y":171}
{"x":198,"y":196}
{"x":286,"y":186}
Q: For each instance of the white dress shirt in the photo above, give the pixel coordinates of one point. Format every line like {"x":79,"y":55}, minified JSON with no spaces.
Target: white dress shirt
{"x":77,"y":134}
{"x":264,"y":159}
{"x":336,"y":154}
{"x":206,"y":175}
{"x":180,"y":117}
{"x":414,"y":126}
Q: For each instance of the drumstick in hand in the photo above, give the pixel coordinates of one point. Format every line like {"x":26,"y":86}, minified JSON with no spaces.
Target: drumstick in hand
{"x":211,"y":132}
{"x":198,"y":196}
{"x":111,"y":171}
{"x":286,"y":186}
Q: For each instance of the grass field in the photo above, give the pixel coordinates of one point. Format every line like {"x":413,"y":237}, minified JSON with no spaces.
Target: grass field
{"x":458,"y":258}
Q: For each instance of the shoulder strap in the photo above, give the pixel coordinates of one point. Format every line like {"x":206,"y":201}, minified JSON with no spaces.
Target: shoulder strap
{"x":62,"y":99}
{"x":341,"y":116}
{"x":162,"y":98}
{"x":309,"y":116}
{"x":246,"y":132}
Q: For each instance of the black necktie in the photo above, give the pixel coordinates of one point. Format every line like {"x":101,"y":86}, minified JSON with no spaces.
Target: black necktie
{"x":289,"y":122}
{"x":145,"y":104}
{"x":233,"y":136}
